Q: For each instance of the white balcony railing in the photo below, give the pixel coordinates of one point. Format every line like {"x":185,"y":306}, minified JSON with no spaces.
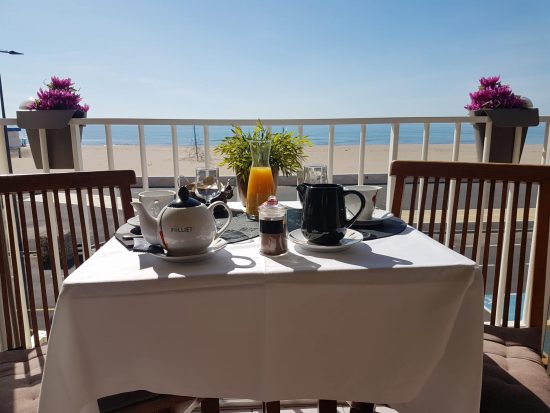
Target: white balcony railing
{"x":394,"y":122}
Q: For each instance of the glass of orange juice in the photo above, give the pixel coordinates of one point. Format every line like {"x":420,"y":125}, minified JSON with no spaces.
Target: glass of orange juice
{"x":260,"y":180}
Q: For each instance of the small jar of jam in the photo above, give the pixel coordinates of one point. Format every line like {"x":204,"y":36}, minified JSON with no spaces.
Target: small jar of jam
{"x":273,"y":227}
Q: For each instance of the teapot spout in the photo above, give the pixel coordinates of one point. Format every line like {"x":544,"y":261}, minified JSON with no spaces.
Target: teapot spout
{"x":149,"y":225}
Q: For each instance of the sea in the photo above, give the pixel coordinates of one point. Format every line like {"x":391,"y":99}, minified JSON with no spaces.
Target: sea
{"x":94,"y":135}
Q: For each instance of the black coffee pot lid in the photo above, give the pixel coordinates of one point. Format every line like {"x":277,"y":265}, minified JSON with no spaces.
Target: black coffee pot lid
{"x":184,"y":200}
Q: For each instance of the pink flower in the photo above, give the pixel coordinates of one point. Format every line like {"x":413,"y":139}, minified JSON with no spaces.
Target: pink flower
{"x":491,"y":94}
{"x":61,"y":94}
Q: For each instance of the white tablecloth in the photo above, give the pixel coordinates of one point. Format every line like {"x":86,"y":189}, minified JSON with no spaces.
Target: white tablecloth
{"x":396,"y":320}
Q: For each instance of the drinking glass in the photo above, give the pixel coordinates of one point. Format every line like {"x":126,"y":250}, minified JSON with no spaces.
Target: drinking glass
{"x":314,"y":174}
{"x":207,"y":184}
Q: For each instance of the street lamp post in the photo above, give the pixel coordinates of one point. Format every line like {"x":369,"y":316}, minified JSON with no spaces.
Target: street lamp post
{"x":6,"y":140}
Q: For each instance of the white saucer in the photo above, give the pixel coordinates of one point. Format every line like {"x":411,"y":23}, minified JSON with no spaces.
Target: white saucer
{"x":351,"y":237}
{"x":216,"y":246}
{"x":378,"y":216}
{"x":134,"y":221}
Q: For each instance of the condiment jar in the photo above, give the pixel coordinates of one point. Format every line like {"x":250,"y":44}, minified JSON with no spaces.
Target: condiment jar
{"x":273,"y":227}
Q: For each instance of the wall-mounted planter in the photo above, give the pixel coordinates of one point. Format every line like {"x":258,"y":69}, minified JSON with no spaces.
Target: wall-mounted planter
{"x":58,"y":135}
{"x":505,"y":122}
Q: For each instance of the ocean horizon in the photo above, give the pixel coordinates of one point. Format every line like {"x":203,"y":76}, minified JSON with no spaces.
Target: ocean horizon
{"x":94,"y":135}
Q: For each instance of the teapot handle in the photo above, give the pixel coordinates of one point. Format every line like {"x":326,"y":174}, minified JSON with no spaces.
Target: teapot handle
{"x":224,"y":227}
{"x":349,"y":222}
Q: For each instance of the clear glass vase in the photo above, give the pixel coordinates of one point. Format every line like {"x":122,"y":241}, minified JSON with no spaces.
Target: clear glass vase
{"x":260,"y":180}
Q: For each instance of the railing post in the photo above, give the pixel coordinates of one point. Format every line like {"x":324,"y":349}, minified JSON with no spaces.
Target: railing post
{"x":44,"y":150}
{"x":77,"y":147}
{"x":545,"y":159}
{"x":4,"y":152}
{"x":456,"y":141}
{"x":175,"y":155}
{"x":545,"y":153}
{"x":330,"y":167}
{"x":109,"y":142}
{"x":425,"y":141}
{"x":362,"y":144}
{"x":206,"y":147}
{"x":143,"y":157}
{"x":487,"y":141}
{"x":517,"y":145}
{"x":526,"y":314}
{"x":394,"y":147}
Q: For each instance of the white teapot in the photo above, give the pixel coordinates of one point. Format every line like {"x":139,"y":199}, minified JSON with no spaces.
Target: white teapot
{"x":184,"y":227}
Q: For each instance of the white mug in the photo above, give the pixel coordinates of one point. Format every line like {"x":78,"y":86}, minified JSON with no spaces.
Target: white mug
{"x":369,"y":192}
{"x":155,"y":200}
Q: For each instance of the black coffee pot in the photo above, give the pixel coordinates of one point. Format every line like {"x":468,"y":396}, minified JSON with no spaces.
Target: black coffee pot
{"x":324,"y":212}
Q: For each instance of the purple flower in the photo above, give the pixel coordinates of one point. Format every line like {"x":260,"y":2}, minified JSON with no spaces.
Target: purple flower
{"x":488,"y":82}
{"x":62,"y":84}
{"x":60,"y":94}
{"x":493,"y":95}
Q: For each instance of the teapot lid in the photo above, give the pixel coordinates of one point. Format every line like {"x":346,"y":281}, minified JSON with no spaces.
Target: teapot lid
{"x":184,"y":200}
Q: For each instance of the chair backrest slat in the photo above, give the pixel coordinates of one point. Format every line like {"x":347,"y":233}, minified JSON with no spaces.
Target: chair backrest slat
{"x":114,"y":207}
{"x":479,"y":217}
{"x":4,"y":287}
{"x":454,"y":212}
{"x":466,"y":218}
{"x":17,"y":288}
{"x":49,"y":232}
{"x":499,"y":246}
{"x":85,"y":243}
{"x":104,"y":222}
{"x":50,"y":240}
{"x":413,"y":200}
{"x":94,"y":220}
{"x":60,"y":235}
{"x":488,"y":234}
{"x":422,"y":208}
{"x":484,"y":223}
{"x":70,"y":217}
{"x":444,"y":207}
{"x":510,"y":254}
{"x":433,"y":208}
{"x":28,"y":268}
{"x":40,"y":257}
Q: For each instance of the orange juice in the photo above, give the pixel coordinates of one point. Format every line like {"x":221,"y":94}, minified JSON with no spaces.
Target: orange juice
{"x":260,"y":187}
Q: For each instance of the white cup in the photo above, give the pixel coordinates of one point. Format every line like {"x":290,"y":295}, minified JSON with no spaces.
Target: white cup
{"x":155,"y":200}
{"x":353,"y":204}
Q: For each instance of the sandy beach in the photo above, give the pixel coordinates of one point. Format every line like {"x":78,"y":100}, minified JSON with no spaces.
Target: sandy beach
{"x":346,"y":158}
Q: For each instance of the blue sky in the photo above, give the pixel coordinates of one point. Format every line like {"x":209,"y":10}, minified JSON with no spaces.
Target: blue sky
{"x":273,"y":59}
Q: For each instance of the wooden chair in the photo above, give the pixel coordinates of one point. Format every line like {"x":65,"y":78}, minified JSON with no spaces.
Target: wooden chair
{"x":497,"y":215}
{"x":78,"y":211}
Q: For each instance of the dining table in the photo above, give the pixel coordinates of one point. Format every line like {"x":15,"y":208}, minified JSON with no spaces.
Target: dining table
{"x":395,"y":320}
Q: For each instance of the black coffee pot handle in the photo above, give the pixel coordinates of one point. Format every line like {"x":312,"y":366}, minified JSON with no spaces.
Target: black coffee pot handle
{"x":349,"y":222}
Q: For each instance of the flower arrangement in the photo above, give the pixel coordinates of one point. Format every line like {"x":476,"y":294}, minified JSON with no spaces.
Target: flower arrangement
{"x":60,"y":94}
{"x":494,"y":95}
{"x":287,"y":149}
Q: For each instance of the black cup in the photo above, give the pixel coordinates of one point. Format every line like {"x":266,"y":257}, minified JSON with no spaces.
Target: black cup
{"x":324,"y":212}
